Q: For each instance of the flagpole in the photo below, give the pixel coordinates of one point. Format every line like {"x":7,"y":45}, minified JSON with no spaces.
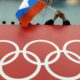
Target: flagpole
{"x":52,"y":8}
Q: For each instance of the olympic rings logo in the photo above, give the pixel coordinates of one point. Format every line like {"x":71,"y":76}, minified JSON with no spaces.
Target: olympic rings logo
{"x":38,"y":62}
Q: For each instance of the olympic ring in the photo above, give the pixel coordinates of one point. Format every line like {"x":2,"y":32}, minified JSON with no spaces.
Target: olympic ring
{"x":56,"y":75}
{"x":17,"y":50}
{"x":76,"y":55}
{"x":38,"y":62}
{"x":32,"y":42}
{"x":27,"y":78}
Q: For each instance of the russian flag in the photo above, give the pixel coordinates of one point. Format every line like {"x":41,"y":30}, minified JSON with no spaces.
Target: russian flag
{"x":28,"y":10}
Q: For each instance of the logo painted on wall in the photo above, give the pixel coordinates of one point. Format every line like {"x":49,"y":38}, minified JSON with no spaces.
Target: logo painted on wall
{"x":38,"y":62}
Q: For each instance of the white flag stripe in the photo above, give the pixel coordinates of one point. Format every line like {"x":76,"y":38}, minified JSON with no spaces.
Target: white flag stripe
{"x":24,"y":4}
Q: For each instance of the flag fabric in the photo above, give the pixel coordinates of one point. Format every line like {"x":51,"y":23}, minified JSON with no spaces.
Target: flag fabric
{"x":28,"y":10}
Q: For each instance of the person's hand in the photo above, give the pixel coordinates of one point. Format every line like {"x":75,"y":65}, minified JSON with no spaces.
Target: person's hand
{"x":55,"y":15}
{"x":62,"y":15}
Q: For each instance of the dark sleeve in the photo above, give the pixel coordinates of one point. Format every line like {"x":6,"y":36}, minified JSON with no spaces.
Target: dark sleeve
{"x":49,"y":22}
{"x":67,"y":22}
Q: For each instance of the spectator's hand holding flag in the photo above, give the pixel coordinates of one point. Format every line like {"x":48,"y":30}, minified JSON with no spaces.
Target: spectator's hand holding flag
{"x":28,"y":10}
